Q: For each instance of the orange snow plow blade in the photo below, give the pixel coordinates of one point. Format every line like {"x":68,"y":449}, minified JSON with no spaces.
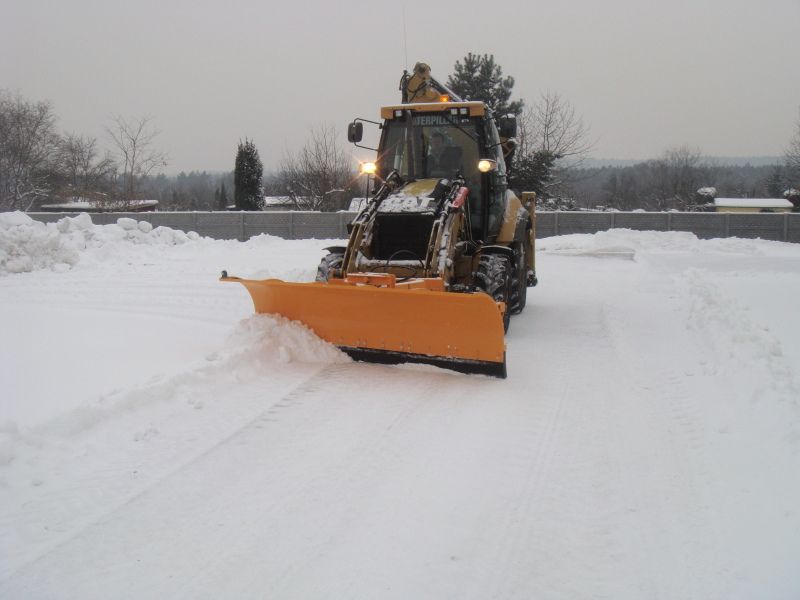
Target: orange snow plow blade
{"x":376,"y":318}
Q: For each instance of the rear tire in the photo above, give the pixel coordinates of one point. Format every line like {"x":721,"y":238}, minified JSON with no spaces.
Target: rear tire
{"x":494,"y":277}
{"x":330,"y":266}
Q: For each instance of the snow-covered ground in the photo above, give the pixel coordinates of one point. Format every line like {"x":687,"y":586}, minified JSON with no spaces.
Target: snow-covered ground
{"x":157,"y":440}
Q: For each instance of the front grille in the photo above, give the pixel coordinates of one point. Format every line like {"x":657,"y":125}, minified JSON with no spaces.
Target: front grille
{"x":402,"y":236}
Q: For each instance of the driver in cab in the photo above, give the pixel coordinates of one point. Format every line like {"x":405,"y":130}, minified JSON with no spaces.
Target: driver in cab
{"x":438,"y":163}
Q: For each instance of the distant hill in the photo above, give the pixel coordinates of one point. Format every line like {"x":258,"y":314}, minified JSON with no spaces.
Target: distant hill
{"x":736,"y":161}
{"x":740,"y":161}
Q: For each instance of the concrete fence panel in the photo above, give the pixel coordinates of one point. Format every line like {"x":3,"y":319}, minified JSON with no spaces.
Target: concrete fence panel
{"x":316,"y":225}
{"x":221,"y":226}
{"x":278,"y":224}
{"x":792,"y":226}
{"x":576,"y":222}
{"x":764,"y":226}
{"x":108,"y":218}
{"x":703,"y":225}
{"x":642,"y":221}
{"x":184,"y":221}
{"x":546,"y":224}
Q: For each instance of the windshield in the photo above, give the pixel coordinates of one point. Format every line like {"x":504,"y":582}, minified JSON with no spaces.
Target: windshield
{"x":427,"y":145}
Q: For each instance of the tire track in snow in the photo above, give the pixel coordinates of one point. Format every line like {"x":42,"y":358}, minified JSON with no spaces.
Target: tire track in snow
{"x":330,"y":488}
{"x":568,"y":513}
{"x":671,"y":518}
{"x":90,"y":491}
{"x":526,"y":510}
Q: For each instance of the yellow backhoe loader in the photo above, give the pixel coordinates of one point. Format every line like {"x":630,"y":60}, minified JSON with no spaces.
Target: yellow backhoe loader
{"x":443,"y":252}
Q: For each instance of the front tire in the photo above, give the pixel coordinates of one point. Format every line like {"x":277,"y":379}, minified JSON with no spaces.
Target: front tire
{"x":494,"y":277}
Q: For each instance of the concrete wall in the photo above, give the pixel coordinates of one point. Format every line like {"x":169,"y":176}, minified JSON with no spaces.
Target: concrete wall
{"x":779,"y":227}
{"x":233,"y":225}
{"x":304,"y":225}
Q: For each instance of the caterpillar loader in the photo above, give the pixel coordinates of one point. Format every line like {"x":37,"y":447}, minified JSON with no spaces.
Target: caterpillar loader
{"x":442,"y":253}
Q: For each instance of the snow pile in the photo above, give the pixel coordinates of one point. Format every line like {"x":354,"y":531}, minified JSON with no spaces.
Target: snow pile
{"x":271,"y":339}
{"x":628,"y":242}
{"x":27,"y":245}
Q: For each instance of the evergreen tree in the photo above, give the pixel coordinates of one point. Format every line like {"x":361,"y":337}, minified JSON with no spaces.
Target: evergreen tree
{"x":611,"y":189}
{"x":247,"y":177}
{"x":533,"y":172}
{"x":222,"y":201}
{"x":479,"y":78}
{"x":776,"y":184}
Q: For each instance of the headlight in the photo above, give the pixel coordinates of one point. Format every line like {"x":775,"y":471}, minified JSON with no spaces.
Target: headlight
{"x":486,"y":164}
{"x":368,"y":168}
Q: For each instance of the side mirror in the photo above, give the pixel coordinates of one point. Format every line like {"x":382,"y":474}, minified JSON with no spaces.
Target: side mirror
{"x":355,"y":131}
{"x":507,"y":126}
{"x":510,"y":144}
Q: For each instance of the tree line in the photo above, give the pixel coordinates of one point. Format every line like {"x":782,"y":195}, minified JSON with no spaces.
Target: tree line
{"x":40,"y":164}
{"x":552,"y":139}
{"x":320,"y":176}
{"x":681,"y":179}
{"x":554,"y":142}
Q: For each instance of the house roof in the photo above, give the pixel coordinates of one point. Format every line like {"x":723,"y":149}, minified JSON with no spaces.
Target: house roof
{"x":753,"y":202}
{"x":278,"y":201}
{"x":85,"y":204}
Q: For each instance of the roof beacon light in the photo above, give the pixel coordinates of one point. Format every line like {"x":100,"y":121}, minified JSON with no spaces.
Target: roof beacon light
{"x":368,"y":168}
{"x":444,"y":98}
{"x":486,"y":164}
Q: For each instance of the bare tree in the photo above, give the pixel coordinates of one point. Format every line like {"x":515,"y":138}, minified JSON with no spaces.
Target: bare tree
{"x":83,"y":172}
{"x":134,"y":141}
{"x":793,"y":156}
{"x":553,"y":138}
{"x":676,"y":177}
{"x":670,"y":181}
{"x":551,"y":125}
{"x":28,"y":141}
{"x":318,"y":170}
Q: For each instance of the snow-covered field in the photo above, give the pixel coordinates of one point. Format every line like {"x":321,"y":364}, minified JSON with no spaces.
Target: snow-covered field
{"x":159,"y":441}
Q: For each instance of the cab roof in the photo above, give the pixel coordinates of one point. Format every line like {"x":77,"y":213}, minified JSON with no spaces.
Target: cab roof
{"x":475,"y":109}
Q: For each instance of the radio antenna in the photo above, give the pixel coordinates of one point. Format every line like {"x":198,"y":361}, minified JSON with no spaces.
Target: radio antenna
{"x":405,"y":38}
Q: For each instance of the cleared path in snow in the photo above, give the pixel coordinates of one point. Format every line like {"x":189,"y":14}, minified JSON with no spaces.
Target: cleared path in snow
{"x":625,"y":457}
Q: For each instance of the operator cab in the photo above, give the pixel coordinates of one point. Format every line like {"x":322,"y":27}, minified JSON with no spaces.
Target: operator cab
{"x":442,"y":140}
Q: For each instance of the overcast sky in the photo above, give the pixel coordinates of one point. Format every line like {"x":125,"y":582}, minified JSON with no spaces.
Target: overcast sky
{"x":722,"y":75}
